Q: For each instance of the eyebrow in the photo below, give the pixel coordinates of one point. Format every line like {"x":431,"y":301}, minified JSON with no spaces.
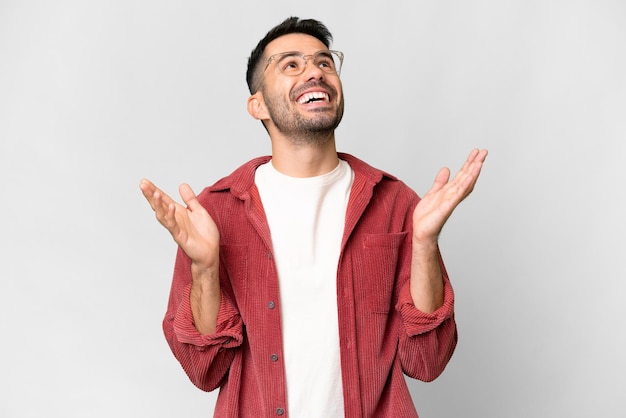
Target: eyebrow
{"x":288,"y":53}
{"x":292,"y":53}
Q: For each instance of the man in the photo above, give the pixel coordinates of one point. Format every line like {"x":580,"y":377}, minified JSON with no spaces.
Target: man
{"x":307,"y":282}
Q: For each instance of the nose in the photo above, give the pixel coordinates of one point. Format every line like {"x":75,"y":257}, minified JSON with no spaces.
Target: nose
{"x":312,"y":71}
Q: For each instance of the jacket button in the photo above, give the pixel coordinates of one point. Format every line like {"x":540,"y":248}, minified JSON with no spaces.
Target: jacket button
{"x":280,"y":411}
{"x":274,"y":357}
{"x":270,"y":304}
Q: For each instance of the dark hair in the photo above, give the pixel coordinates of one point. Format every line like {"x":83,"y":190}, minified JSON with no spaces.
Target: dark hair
{"x":290,"y":25}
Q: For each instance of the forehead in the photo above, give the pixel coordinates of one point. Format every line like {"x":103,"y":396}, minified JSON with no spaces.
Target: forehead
{"x":294,"y":42}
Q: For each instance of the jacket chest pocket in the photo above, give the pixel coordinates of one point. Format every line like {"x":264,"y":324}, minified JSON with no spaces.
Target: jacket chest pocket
{"x":376,"y":269}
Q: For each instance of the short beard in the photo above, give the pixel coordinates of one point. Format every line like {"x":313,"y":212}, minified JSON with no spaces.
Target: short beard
{"x":303,"y":131}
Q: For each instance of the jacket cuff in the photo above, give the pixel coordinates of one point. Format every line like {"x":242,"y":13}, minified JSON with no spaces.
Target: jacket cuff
{"x":417,"y":322}
{"x":228,"y":332}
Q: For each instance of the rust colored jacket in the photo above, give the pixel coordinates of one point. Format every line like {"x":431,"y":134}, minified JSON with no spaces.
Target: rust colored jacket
{"x":382,"y":334}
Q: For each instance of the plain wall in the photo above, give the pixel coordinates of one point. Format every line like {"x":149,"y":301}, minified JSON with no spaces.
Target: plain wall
{"x":96,"y":95}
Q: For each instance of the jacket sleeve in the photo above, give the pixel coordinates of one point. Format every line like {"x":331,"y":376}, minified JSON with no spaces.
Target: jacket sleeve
{"x":205,"y":358}
{"x":426,"y":340}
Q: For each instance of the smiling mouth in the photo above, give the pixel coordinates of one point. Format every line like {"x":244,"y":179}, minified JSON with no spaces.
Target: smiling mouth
{"x":315,"y":96}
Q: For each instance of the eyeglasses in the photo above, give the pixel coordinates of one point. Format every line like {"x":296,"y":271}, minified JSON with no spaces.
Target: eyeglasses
{"x":293,"y":63}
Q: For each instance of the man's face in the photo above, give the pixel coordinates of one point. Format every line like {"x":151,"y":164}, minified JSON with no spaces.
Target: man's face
{"x":305,"y":105}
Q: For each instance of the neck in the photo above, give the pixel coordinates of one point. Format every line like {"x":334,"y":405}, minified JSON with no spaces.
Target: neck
{"x":304,"y":158}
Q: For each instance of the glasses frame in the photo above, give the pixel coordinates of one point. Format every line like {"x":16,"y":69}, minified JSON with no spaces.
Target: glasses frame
{"x":306,"y":59}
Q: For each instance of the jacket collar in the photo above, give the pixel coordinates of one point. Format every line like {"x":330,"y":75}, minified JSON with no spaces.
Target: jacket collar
{"x":241,"y":180}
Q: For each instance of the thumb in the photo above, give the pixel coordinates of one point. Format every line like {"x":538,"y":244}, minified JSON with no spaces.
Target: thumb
{"x":442,"y":178}
{"x":189,"y":197}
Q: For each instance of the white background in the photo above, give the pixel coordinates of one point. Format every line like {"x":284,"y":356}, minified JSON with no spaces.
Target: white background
{"x":96,"y":95}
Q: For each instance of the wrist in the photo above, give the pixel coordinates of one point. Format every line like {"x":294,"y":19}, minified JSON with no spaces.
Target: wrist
{"x":425,"y":245}
{"x":204,"y":273}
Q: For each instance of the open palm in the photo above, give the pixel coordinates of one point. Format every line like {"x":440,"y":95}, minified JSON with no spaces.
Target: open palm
{"x":192,"y":227}
{"x":439,"y":202}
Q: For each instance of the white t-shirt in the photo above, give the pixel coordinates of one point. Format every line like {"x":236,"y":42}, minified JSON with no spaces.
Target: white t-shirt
{"x":306,"y":217}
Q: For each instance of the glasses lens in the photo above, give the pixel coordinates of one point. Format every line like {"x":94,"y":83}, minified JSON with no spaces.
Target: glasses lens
{"x":328,"y":61}
{"x":291,"y":64}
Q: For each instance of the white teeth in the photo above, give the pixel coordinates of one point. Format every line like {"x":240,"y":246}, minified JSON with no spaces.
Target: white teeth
{"x":307,"y":97}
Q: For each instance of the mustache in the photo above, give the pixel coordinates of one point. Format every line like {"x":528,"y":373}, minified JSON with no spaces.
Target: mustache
{"x":297,"y":92}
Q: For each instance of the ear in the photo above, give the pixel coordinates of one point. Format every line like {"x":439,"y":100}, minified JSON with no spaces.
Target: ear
{"x":256,"y":106}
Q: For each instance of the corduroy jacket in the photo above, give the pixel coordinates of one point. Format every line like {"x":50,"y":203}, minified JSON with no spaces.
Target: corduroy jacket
{"x":382,"y":334}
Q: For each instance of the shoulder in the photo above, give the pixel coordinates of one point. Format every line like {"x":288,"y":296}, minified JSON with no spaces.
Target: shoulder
{"x":382,"y":181}
{"x":239,"y":181}
{"x":362,"y":168}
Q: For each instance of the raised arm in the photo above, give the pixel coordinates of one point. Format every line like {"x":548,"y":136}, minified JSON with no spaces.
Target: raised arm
{"x":429,"y":217}
{"x":195,"y":232}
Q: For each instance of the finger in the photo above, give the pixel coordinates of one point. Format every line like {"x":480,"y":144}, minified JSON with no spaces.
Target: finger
{"x":169,"y":220}
{"x":161,"y":201}
{"x":164,"y":207}
{"x":471,"y":159}
{"x":475,"y":156}
{"x":472,"y":165}
{"x":467,"y":177}
{"x":441,"y":179}
{"x":147,"y":188}
{"x":189,"y":197}
{"x":477,"y":163}
{"x":472,"y":155}
{"x":154,"y":195}
{"x":166,"y":214}
{"x":160,"y":208}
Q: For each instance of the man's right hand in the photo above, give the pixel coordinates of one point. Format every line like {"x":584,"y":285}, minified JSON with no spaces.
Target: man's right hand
{"x":191,"y":227}
{"x":195,"y":232}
